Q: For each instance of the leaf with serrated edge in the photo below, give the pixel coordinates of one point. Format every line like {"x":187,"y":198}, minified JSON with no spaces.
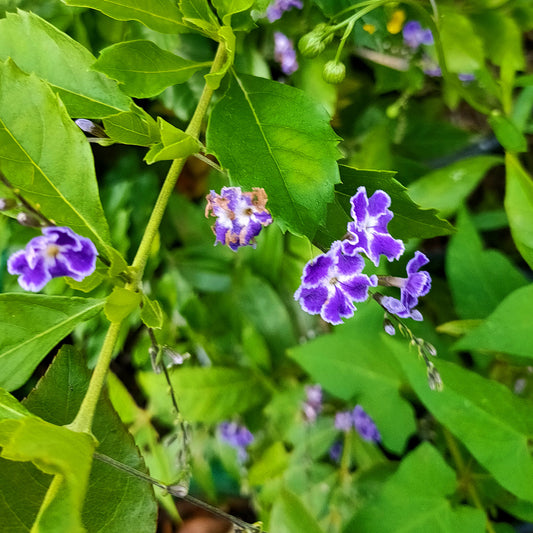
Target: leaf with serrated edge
{"x":144,"y":69}
{"x":37,"y":46}
{"x":45,"y":155}
{"x":31,"y":325}
{"x":160,"y":15}
{"x":274,"y":136}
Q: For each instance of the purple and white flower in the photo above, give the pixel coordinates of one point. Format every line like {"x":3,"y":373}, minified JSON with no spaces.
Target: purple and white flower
{"x":237,"y":436}
{"x":414,"y":35}
{"x":364,"y":425}
{"x":313,"y":402}
{"x":284,"y":53}
{"x":240,"y":215}
{"x":276,"y":9}
{"x":58,"y":252}
{"x":417,"y":284}
{"x":368,"y":232}
{"x":331,"y":282}
{"x":335,"y":451}
{"x":343,"y":421}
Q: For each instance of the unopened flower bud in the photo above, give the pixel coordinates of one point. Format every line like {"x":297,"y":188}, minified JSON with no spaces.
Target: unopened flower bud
{"x":434,"y":379}
{"x":430,"y":349}
{"x":388,"y":327}
{"x":311,"y":45}
{"x":7,"y":203}
{"x":334,"y":72}
{"x":27,"y":219}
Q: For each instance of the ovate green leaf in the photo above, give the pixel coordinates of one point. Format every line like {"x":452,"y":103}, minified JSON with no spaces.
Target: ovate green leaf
{"x":37,"y":46}
{"x":226,"y":8}
{"x":160,"y":15}
{"x":290,"y":515}
{"x":144,"y":69}
{"x":509,"y":136}
{"x":273,"y":136}
{"x":133,"y":127}
{"x":120,"y":303}
{"x":31,"y":325}
{"x":519,"y":206}
{"x":45,"y":155}
{"x":507,"y":329}
{"x":151,"y":313}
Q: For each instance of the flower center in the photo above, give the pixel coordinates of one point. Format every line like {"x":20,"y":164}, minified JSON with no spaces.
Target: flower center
{"x":52,"y":250}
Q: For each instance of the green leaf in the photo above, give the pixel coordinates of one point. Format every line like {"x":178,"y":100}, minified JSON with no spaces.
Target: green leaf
{"x":505,"y":330}
{"x":359,"y":365}
{"x":447,"y":188}
{"x":507,"y":133}
{"x":495,"y":275}
{"x":273,"y":136}
{"x":48,"y":158}
{"x":37,"y":46}
{"x":272,"y":464}
{"x":492,"y":422}
{"x":160,"y":15}
{"x":226,"y":36}
{"x":199,"y":15}
{"x":462,"y":55}
{"x":519,"y":206}
{"x":135,"y":127}
{"x":10,"y":408}
{"x":210,"y":394}
{"x":31,"y":325}
{"x":290,"y":515}
{"x":413,"y":500}
{"x":151,"y":313}
{"x":175,"y":144}
{"x":226,"y":8}
{"x":57,"y":451}
{"x":120,"y":303}
{"x":144,"y":69}
{"x":410,"y":220}
{"x":115,"y":502}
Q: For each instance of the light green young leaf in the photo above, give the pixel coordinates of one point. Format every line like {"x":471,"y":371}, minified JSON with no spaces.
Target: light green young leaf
{"x":492,"y":422}
{"x":370,"y":373}
{"x":135,"y":127}
{"x":10,"y":408}
{"x":226,"y":8}
{"x":31,"y":325}
{"x":495,"y":275}
{"x":151,"y":313}
{"x":57,"y":451}
{"x":144,"y":69}
{"x":198,"y":14}
{"x":160,"y":15}
{"x":519,"y":206}
{"x":37,"y":46}
{"x":236,"y":390}
{"x":120,"y":303}
{"x":413,"y":500}
{"x":447,"y":188}
{"x":509,"y":136}
{"x":273,"y":136}
{"x":505,"y":330}
{"x":226,"y":35}
{"x":47,"y":157}
{"x":175,"y":144}
{"x":290,"y":515}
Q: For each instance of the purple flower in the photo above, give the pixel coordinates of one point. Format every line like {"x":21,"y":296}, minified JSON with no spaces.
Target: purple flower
{"x":284,"y":53}
{"x":58,"y":252}
{"x":368,"y":233}
{"x":364,"y":425}
{"x":414,"y":35}
{"x":466,"y":77}
{"x":239,"y":437}
{"x":416,"y":284}
{"x":278,"y":7}
{"x":344,"y":421}
{"x":240,"y":215}
{"x":335,"y":452}
{"x":331,"y":282}
{"x":433,"y":71}
{"x":313,"y":403}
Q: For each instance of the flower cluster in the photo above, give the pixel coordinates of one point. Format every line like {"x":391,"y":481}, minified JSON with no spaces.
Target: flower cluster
{"x":278,"y":7}
{"x":240,"y":215}
{"x":58,"y":252}
{"x":239,"y":437}
{"x":284,"y":53}
{"x":333,"y":281}
{"x":312,"y":406}
{"x":415,"y":36}
{"x":360,"y":421}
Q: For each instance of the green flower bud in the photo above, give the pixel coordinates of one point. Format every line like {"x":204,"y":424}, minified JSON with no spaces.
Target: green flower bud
{"x":334,"y":72}
{"x":311,"y":45}
{"x":321,"y":29}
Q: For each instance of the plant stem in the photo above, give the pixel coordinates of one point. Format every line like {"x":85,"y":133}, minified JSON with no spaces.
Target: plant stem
{"x":84,"y":418}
